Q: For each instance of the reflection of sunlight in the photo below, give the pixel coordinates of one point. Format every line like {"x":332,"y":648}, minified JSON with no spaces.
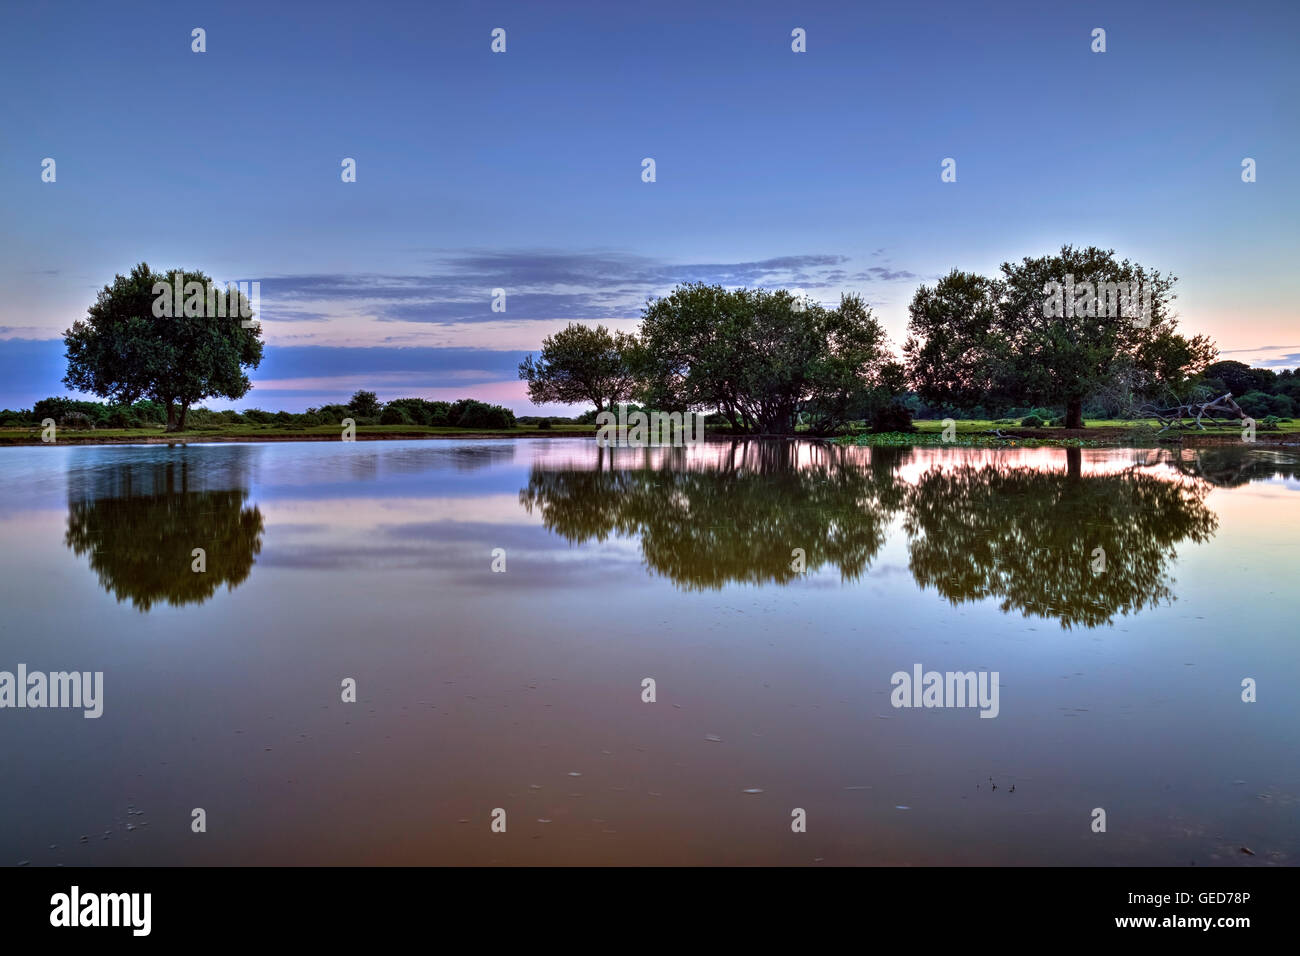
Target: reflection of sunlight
{"x":908,"y":463}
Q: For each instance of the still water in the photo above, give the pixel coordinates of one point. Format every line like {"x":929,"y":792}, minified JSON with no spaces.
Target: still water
{"x":522,"y":690}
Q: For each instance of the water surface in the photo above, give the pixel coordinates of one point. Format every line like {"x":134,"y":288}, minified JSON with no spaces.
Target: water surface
{"x":1119,"y":689}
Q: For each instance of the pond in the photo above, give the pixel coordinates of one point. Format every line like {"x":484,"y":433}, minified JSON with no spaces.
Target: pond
{"x":651,"y":656}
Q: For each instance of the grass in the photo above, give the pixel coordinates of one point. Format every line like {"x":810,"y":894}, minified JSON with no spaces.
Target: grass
{"x":966,"y":426}
{"x":271,"y":432}
{"x":967,"y":439}
{"x":969,"y":432}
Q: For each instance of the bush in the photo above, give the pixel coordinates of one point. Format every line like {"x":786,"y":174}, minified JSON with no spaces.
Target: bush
{"x":257,"y":417}
{"x":894,"y":417}
{"x":544,"y":424}
{"x":420,"y":411}
{"x":1033,"y":421}
{"x":77,"y":420}
{"x":394,"y":415}
{"x":468,"y":413}
{"x":365,"y":404}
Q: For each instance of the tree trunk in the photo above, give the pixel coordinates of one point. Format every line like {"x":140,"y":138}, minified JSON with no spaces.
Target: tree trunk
{"x":185,"y":410}
{"x":1074,"y":413}
{"x":171,"y":416}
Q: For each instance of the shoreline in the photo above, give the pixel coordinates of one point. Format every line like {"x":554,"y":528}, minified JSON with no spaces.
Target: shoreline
{"x":1102,"y":437}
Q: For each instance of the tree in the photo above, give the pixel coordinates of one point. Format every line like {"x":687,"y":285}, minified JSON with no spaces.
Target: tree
{"x":126,"y":352}
{"x":1240,"y":378}
{"x":365,"y":404}
{"x":759,"y":357}
{"x":581,"y":364}
{"x":972,"y":337}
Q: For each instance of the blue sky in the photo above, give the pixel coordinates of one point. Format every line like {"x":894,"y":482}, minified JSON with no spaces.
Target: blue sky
{"x":522,"y":170}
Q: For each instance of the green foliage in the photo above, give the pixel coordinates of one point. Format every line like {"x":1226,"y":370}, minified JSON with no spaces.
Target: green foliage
{"x":420,"y":411}
{"x":582,"y":364}
{"x":123,"y":351}
{"x":1033,"y":421}
{"x":973,"y":338}
{"x":394,"y":415}
{"x":1260,"y":404}
{"x":364,"y":403}
{"x":760,"y":357}
{"x":894,"y":417}
{"x":468,"y":413}
{"x":1239,"y":378}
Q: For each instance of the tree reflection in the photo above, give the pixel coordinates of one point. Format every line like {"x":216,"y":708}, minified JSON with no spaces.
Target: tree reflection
{"x":1231,"y":466}
{"x":1029,"y":538}
{"x":140,"y":521}
{"x":1024,"y":536}
{"x":706,"y":525}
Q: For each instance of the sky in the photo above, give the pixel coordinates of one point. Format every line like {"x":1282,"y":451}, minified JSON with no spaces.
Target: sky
{"x":523,"y":170}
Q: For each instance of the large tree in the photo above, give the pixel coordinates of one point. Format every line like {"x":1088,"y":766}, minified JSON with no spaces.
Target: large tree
{"x":124,"y":351}
{"x":759,"y":357}
{"x":1009,"y":338}
{"x":581,"y":364}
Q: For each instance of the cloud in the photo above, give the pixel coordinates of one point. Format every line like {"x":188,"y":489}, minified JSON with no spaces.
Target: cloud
{"x":884,"y":275}
{"x":539,"y":285}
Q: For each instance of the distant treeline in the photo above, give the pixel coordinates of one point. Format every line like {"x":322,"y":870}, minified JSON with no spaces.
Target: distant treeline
{"x":1260,"y":392}
{"x":364,"y":409}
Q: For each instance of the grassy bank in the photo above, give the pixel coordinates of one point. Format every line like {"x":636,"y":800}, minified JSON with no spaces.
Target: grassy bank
{"x":1096,"y":434}
{"x":969,"y":432}
{"x":251,"y":432}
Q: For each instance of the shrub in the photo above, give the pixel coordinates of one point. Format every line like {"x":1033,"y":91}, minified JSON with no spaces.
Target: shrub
{"x":332,"y":414}
{"x":364,"y":403}
{"x":1032,"y":421}
{"x":894,"y":417}
{"x":544,"y":424}
{"x":257,"y":417}
{"x":420,"y":411}
{"x":77,"y":420}
{"x":468,"y":413}
{"x":394,"y":415}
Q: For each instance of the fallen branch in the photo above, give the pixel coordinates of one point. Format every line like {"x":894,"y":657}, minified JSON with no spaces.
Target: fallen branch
{"x":1177,"y":416}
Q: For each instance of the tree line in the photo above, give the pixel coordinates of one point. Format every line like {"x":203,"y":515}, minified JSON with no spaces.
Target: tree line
{"x":771,"y":362}
{"x":763,"y":362}
{"x":364,"y":408}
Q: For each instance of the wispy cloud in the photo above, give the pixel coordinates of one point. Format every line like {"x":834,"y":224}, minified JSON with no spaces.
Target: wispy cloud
{"x":542,"y":285}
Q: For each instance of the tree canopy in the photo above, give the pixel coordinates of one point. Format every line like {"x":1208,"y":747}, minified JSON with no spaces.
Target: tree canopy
{"x":972,"y":337}
{"x":581,"y":364}
{"x":124,"y":351}
{"x":760,"y":357}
